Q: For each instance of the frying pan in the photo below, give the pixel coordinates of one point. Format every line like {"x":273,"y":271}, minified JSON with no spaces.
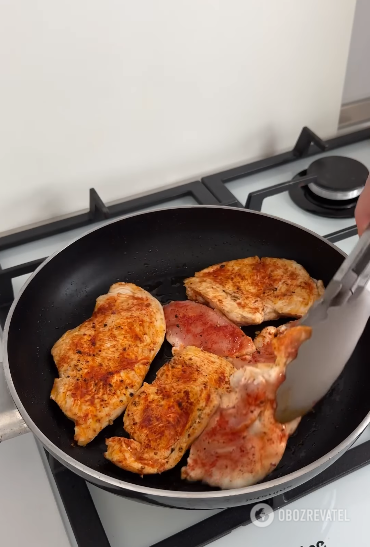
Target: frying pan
{"x":157,"y":250}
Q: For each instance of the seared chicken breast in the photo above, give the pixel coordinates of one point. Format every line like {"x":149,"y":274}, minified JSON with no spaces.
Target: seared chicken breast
{"x":192,"y":324}
{"x":103,"y":362}
{"x":243,"y":442}
{"x":252,"y":290}
{"x":166,"y":416}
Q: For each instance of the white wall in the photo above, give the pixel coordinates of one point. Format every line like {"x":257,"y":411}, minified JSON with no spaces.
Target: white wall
{"x":128,"y":96}
{"x":357,"y":81}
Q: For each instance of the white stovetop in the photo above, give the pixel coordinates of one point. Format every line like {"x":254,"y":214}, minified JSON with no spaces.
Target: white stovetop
{"x":31,"y":512}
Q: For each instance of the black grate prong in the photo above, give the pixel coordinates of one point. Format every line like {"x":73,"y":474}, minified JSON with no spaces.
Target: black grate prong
{"x":255,"y":199}
{"x":81,"y":511}
{"x":305,"y":139}
{"x":344,"y":233}
{"x":98,"y":210}
{"x":6,"y":290}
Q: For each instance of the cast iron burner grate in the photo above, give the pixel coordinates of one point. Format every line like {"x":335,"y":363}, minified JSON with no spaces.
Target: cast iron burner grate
{"x":335,"y":185}
{"x":308,"y":144}
{"x":76,"y":498}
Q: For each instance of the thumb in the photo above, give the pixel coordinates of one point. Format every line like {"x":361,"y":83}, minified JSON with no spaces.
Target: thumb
{"x":362,"y":213}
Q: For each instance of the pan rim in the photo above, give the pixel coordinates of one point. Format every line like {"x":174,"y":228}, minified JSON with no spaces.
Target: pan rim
{"x":86,"y":471}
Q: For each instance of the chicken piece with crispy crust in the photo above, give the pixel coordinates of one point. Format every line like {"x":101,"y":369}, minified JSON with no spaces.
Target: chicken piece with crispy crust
{"x":243,"y":442}
{"x":103,"y":362}
{"x":166,"y":416}
{"x":192,"y":324}
{"x":252,"y":290}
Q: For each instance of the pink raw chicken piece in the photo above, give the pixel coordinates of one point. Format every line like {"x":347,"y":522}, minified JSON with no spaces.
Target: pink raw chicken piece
{"x":192,"y":324}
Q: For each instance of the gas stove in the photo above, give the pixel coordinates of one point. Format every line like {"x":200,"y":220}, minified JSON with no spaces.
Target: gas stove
{"x":316,"y":185}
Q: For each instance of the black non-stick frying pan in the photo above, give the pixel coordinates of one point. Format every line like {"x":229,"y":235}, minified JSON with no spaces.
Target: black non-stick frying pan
{"x":156,"y":251}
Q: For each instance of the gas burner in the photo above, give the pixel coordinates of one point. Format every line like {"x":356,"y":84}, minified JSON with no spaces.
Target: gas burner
{"x":336,"y":185}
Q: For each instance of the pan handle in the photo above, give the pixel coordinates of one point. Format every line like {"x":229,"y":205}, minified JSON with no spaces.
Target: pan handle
{"x":11,"y":422}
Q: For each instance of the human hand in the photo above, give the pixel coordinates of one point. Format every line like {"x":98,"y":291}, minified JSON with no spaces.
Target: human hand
{"x":362,"y":213}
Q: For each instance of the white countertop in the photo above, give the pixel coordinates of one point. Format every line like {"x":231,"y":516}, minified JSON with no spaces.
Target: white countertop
{"x":29,"y":513}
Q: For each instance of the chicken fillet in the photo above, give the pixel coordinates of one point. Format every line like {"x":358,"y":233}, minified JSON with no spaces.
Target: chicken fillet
{"x":243,"y":442}
{"x":166,"y":416}
{"x":252,"y":290}
{"x":103,"y":362}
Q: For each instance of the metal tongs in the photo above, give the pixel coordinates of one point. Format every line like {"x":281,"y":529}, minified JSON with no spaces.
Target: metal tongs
{"x":338,"y":320}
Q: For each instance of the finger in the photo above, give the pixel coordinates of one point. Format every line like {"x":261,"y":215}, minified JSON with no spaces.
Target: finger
{"x":362,"y":213}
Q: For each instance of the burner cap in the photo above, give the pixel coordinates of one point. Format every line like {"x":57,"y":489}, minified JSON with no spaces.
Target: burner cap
{"x":338,"y":178}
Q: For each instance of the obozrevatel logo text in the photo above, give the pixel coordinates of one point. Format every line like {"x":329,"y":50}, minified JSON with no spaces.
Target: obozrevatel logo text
{"x":313,"y":515}
{"x":262,"y":515}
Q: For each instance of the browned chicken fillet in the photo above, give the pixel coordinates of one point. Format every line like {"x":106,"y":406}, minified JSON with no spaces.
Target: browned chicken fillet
{"x":166,"y":416}
{"x":243,"y":442}
{"x":103,"y":362}
{"x":252,"y":290}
